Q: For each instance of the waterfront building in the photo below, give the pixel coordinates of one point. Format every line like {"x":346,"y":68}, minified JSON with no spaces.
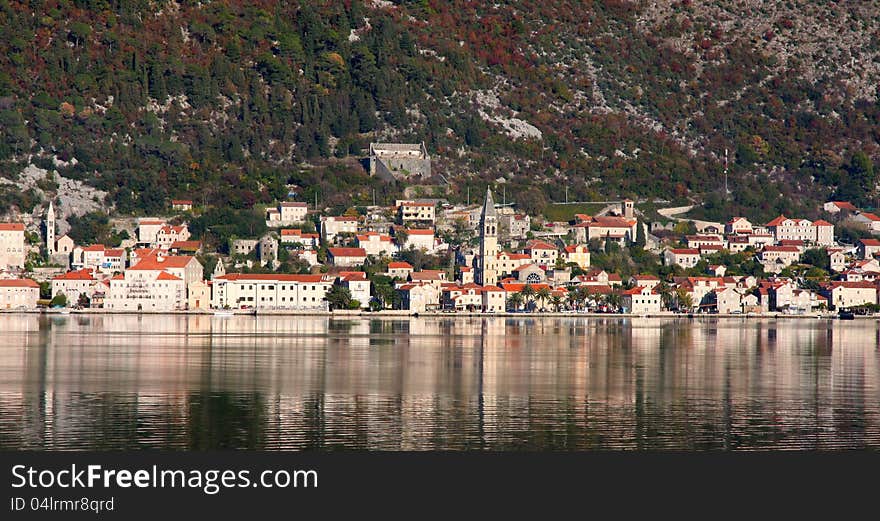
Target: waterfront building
{"x":19,"y":294}
{"x":12,"y":251}
{"x":270,"y":291}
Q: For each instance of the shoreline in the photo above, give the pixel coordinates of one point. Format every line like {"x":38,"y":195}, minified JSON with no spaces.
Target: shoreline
{"x":440,"y":314}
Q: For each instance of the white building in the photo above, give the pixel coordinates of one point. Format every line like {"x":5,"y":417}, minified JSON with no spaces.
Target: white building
{"x":347,"y":256}
{"x":294,"y":236}
{"x":270,"y":291}
{"x":641,"y":299}
{"x":168,"y":235}
{"x":333,"y":226}
{"x":412,"y":211}
{"x":419,"y":240}
{"x":358,"y":286}
{"x":147,"y":230}
{"x":73,"y":284}
{"x":146,"y":290}
{"x":12,"y":252}
{"x":19,"y":294}
{"x":375,"y":243}
{"x":684,"y":257}
{"x":286,"y":213}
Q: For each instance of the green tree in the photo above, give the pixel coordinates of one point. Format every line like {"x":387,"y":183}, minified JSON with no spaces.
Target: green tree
{"x":59,"y":300}
{"x":339,"y":297}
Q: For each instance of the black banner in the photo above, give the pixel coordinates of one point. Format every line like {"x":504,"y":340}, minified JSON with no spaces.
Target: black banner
{"x":151,"y":484}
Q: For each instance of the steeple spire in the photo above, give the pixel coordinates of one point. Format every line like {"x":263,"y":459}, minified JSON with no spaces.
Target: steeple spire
{"x":489,"y":205}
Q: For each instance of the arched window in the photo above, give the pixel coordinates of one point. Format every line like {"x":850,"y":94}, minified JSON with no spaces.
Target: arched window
{"x":533,"y":278}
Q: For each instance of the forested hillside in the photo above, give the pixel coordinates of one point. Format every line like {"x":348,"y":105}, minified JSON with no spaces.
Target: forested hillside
{"x":227,"y":102}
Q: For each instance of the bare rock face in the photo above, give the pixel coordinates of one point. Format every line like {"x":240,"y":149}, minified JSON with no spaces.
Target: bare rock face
{"x":72,"y":197}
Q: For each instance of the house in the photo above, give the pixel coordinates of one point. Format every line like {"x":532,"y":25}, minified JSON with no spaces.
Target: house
{"x":738,"y":226}
{"x":641,"y":299}
{"x":418,"y":212}
{"x":684,"y":257}
{"x":168,"y":235}
{"x":332,"y":226}
{"x":466,"y":297}
{"x":699,"y":287}
{"x":358,"y":286}
{"x":419,"y":240}
{"x":819,"y":232}
{"x":147,"y":229}
{"x":297,"y":236}
{"x":185,"y":267}
{"x":843,"y":294}
{"x":399,"y":269}
{"x":710,"y":249}
{"x":644,"y":281}
{"x":12,"y":251}
{"x":286,"y":213}
{"x":19,"y":294}
{"x":347,"y":256}
{"x":64,"y":245}
{"x":836,"y":207}
{"x":717,"y":270}
{"x":599,"y":278}
{"x":183,"y":205}
{"x":867,"y":248}
{"x":73,"y":284}
{"x":618,"y":229}
{"x":376,"y":244}
{"x":836,"y":259}
{"x":310,"y":256}
{"x":419,"y":297}
{"x":270,"y":291}
{"x":435,"y":277}
{"x":507,"y":261}
{"x":465,"y":275}
{"x":777,"y":258}
{"x":698,"y":241}
{"x":542,"y":253}
{"x":577,"y":254}
{"x":494,"y":299}
{"x":868,"y":221}
{"x":727,"y":300}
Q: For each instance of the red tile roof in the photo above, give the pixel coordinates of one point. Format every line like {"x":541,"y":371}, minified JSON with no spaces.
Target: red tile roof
{"x":18,"y":283}
{"x":167,"y":276}
{"x":347,"y":252}
{"x":685,"y":251}
{"x":11,"y":227}
{"x":75,"y":275}
{"x":420,"y":232}
{"x":187,"y":245}
{"x":171,"y":261}
{"x":400,"y":266}
{"x":870,"y":216}
{"x":870,"y":242}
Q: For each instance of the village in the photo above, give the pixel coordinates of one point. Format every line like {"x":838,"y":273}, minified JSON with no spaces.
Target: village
{"x":426,"y":255}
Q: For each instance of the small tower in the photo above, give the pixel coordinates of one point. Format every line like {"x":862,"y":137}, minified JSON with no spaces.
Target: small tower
{"x":627,"y":208}
{"x":219,"y":270}
{"x":50,"y":230}
{"x":488,"y":273}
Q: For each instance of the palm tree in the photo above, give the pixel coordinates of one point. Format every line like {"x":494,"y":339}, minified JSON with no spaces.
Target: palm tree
{"x":614,"y":300}
{"x":556,"y":300}
{"x":544,"y":295}
{"x":515,"y":301}
{"x":572,"y":298}
{"x":528,"y":293}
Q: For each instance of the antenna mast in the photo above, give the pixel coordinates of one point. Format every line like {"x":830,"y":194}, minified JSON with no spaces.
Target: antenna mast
{"x":726,"y":189}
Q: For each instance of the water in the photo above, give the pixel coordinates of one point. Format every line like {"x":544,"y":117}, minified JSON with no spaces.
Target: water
{"x":291,"y":383}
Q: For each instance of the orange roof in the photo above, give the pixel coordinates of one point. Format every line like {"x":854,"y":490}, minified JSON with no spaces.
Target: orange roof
{"x":153,"y":222}
{"x":870,"y":216}
{"x":572,"y":248}
{"x":843,"y":205}
{"x":822,"y":222}
{"x":75,"y":275}
{"x":791,"y":249}
{"x":186,"y":245}
{"x":116,"y":252}
{"x":167,"y":276}
{"x":420,"y":232}
{"x":399,"y":266}
{"x":94,"y":247}
{"x":347,"y":252}
{"x":870,"y":242}
{"x":777,"y":221}
{"x":539,"y":245}
{"x":11,"y":227}
{"x":281,"y":277}
{"x":181,"y":201}
{"x":685,"y":251}
{"x":612,"y":222}
{"x":171,"y":261}
{"x":18,"y":283}
{"x":516,"y":287}
{"x":352,"y":275}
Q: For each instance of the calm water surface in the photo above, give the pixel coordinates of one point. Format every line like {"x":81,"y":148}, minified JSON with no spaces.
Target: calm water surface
{"x":290,"y":383}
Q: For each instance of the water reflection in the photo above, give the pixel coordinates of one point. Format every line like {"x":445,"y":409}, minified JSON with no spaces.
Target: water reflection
{"x":203,"y":382}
